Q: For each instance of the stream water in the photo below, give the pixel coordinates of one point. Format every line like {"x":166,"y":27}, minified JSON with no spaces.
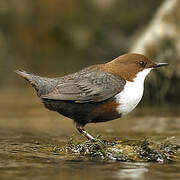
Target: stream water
{"x":29,"y":132}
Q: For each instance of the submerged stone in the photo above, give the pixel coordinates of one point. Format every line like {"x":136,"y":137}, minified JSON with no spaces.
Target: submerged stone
{"x":143,"y":150}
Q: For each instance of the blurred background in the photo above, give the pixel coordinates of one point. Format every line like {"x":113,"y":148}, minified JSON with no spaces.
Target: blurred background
{"x":56,"y":37}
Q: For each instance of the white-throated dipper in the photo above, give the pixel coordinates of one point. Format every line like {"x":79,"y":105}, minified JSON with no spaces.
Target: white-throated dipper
{"x":98,"y":93}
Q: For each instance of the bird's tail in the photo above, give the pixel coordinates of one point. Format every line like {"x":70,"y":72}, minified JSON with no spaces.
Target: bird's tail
{"x":28,"y":77}
{"x":41,"y":84}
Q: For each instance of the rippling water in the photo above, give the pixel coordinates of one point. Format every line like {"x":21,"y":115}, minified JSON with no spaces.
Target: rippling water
{"x":28,"y":133}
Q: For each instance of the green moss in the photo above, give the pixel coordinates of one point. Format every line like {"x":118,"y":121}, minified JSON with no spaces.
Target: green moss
{"x":143,"y":150}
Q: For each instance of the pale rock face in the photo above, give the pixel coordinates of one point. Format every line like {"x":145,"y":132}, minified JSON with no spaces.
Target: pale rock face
{"x":129,"y":98}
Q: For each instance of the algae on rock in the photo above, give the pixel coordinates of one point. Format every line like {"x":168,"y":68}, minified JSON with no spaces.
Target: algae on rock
{"x":143,"y":150}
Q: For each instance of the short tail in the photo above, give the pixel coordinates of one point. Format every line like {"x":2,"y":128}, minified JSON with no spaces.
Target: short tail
{"x":42,"y":85}
{"x":28,"y":77}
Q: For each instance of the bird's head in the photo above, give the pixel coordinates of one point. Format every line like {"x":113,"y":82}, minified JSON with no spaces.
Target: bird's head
{"x":131,"y":65}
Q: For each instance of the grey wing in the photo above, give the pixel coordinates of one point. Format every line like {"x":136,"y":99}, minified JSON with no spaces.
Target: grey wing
{"x":94,"y":86}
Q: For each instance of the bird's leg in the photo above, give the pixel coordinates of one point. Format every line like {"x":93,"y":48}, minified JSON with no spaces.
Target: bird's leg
{"x":83,"y":132}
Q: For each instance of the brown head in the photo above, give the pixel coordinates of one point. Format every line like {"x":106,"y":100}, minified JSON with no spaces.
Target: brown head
{"x":129,"y":65}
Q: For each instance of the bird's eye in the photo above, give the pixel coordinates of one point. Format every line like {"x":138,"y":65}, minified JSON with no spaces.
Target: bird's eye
{"x":142,"y":63}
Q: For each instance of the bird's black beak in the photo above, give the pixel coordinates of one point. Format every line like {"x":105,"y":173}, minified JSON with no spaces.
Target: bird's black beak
{"x":156,"y":65}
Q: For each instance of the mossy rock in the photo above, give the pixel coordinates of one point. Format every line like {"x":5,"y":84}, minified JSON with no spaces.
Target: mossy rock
{"x":143,"y":150}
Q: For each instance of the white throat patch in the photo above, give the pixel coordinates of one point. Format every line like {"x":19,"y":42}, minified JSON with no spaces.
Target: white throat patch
{"x":141,"y":76}
{"x":132,"y":93}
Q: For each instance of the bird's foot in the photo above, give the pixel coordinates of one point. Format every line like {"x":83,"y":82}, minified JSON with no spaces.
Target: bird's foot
{"x":84,"y":133}
{"x":87,"y":135}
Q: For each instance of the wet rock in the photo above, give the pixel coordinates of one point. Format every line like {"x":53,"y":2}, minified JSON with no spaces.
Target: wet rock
{"x":143,"y":150}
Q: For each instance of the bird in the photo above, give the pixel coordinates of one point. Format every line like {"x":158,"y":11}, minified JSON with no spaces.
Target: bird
{"x":98,"y":93}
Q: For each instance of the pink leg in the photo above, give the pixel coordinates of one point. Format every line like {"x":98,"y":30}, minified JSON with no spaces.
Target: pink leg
{"x":83,"y":132}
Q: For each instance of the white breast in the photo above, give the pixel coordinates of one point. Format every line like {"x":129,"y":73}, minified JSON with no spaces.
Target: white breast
{"x":132,"y":93}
